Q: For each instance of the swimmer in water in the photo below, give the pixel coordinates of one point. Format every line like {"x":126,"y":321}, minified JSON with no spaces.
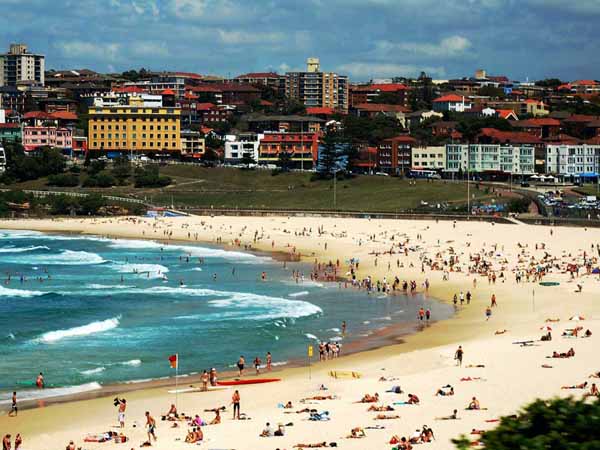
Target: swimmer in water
{"x":39,"y":382}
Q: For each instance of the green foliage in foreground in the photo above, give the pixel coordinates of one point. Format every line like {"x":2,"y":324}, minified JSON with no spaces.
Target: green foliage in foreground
{"x":564,"y":424}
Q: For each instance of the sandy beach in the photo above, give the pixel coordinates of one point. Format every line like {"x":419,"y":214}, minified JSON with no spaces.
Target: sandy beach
{"x":452,"y":257}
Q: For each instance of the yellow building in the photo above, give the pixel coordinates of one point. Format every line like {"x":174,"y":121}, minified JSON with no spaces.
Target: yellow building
{"x":135,"y":127}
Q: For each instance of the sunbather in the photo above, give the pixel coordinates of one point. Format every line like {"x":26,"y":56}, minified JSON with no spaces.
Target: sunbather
{"x":319,"y":397}
{"x":445,"y":390}
{"x":356,"y":433}
{"x":386,"y":417}
{"x":368,"y":398}
{"x":576,"y":386}
{"x":593,"y":392}
{"x":380,"y":408}
{"x":317,"y":445}
{"x":453,"y":416}
{"x":474,"y":404}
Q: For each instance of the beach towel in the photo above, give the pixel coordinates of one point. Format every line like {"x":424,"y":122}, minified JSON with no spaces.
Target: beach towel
{"x":322,"y":416}
{"x":395,"y":390}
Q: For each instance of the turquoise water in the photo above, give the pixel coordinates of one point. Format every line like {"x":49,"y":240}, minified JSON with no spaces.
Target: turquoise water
{"x":90,"y":311}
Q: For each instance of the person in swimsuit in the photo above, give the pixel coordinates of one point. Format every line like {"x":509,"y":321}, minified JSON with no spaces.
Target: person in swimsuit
{"x":257,"y":363}
{"x":235,"y":400}
{"x":269,"y":361}
{"x":121,"y":414}
{"x":13,"y":409}
{"x":151,"y":426}
{"x":458,"y":356}
{"x":204,"y":379}
{"x":240,"y":365}
{"x":6,"y":442}
{"x":39,"y":382}
{"x":18,"y":442}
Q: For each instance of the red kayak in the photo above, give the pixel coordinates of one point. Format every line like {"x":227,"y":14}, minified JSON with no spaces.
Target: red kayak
{"x":248,"y":381}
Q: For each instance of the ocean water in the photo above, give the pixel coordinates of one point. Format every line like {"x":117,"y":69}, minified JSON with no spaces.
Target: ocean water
{"x":89,"y":311}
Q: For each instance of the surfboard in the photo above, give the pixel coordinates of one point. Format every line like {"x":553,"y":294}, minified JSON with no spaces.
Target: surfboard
{"x":239,"y":382}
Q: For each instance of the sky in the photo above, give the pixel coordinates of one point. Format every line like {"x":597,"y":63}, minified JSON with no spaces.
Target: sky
{"x":364,"y":39}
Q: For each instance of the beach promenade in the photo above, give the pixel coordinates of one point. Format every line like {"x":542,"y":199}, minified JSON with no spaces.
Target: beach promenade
{"x":481,"y":258}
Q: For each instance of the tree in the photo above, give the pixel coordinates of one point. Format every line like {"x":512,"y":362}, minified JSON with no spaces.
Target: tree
{"x":248,"y":160}
{"x":91,"y":204}
{"x":96,"y":166}
{"x":63,"y":180}
{"x":566,"y":424}
{"x":63,"y":204}
{"x":328,"y":154}
{"x":284,"y":161}
{"x":121,"y":169}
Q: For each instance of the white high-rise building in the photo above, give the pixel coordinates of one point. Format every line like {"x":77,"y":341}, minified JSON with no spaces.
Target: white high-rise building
{"x":18,"y":66}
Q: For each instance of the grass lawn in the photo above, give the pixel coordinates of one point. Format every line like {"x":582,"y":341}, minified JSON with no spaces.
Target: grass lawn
{"x":235,"y":188}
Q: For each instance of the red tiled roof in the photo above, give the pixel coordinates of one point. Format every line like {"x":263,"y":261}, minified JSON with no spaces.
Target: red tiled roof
{"x":405,"y":139}
{"x":37,"y":115}
{"x":512,"y":137}
{"x":206,"y":130}
{"x":581,"y":118}
{"x":9,"y":125}
{"x":450,"y":98}
{"x":563,"y":87}
{"x":204,"y":88}
{"x":320,"y":110}
{"x":585,"y":83}
{"x":129,"y":89}
{"x":541,"y":122}
{"x":204,"y":106}
{"x":64,"y":115}
{"x":167,"y":92}
{"x":189,"y":96}
{"x":593,"y":141}
{"x":266,"y":103}
{"x":533,"y":101}
{"x":505,"y":113}
{"x":380,"y":107}
{"x":562,"y":139}
{"x":259,"y":75}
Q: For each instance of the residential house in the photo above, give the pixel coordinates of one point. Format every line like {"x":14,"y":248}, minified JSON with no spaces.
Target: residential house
{"x":242,"y":145}
{"x":398,"y":112}
{"x":362,"y":94}
{"x":452,"y":103}
{"x":193,"y":144}
{"x":541,"y":127}
{"x":35,"y":137}
{"x":288,"y":123}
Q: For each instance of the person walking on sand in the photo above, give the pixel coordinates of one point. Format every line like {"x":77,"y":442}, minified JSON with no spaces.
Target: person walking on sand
{"x":240,"y":365}
{"x":493,"y":301}
{"x":13,"y":410}
{"x":204,"y":379}
{"x":458,"y":356}
{"x":235,"y":401}
{"x":6,"y":442}
{"x":150,"y":426}
{"x":122,"y":408}
{"x":257,"y":363}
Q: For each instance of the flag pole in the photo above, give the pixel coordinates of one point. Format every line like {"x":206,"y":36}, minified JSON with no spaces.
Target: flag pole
{"x":176,"y":381}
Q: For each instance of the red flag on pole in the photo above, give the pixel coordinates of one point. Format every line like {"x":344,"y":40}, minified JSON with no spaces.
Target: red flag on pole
{"x":174,"y":361}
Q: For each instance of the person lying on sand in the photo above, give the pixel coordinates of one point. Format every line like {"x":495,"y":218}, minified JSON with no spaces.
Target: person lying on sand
{"x":368,"y":398}
{"x":593,"y":392}
{"x":317,"y":445}
{"x":386,"y":417}
{"x":319,"y":397}
{"x":547,"y":366}
{"x":480,"y":432}
{"x":445,"y":390}
{"x":388,"y":378}
{"x":474,"y":404}
{"x":576,"y":386}
{"x":453,"y":416}
{"x":471,"y":379}
{"x":301,"y":411}
{"x":380,"y":408}
{"x":595,"y":375}
{"x":288,"y":405}
{"x":553,"y":320}
{"x":415,"y":438}
{"x":473,"y":366}
{"x":356,"y":433}
{"x":401,"y":443}
{"x":501,"y":331}
{"x":568,"y":354}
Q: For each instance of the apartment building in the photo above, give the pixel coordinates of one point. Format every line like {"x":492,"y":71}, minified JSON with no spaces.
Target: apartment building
{"x":271,"y":80}
{"x":394,"y":155}
{"x":516,"y":159}
{"x":35,"y":137}
{"x":19,"y":66}
{"x":193,"y":144}
{"x":429,"y":158}
{"x":135,"y":128}
{"x":573,"y":160}
{"x":241,"y":146}
{"x":314,"y":88}
{"x":302,"y":147}
{"x":368,"y":93}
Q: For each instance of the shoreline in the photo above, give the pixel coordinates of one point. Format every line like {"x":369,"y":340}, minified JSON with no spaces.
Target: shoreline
{"x":379,"y":338}
{"x":511,"y":375}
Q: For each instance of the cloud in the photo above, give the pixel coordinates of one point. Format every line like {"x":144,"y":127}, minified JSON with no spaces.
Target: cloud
{"x":367,"y":70}
{"x":79,"y":49}
{"x":448,"y":47}
{"x":149,"y":48}
{"x":235,"y":37}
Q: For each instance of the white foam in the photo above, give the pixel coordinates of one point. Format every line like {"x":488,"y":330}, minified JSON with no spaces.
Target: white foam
{"x":90,"y":372}
{"x":275,"y":307}
{"x":311,"y":336}
{"x":8,"y":292}
{"x":51,"y":392}
{"x":143,"y":270}
{"x":107,"y":286}
{"x":64,"y":258}
{"x":298,"y":294}
{"x":132,"y":362}
{"x":84,"y":330}
{"x":197,"y":269}
{"x":23,"y":249}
